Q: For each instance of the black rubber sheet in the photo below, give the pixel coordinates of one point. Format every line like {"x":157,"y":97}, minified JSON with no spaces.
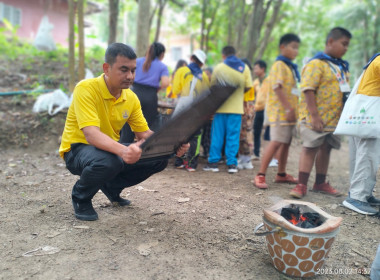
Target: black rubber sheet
{"x":179,"y":129}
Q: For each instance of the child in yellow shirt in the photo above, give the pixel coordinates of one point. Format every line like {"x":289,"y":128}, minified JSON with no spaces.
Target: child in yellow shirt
{"x":324,"y":82}
{"x":260,"y":84}
{"x":282,"y":106}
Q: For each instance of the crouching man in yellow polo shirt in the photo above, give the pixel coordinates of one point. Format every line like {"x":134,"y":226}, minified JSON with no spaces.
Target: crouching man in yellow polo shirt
{"x":90,"y":147}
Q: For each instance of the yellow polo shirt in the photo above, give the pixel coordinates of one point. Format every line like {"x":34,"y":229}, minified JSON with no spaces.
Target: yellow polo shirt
{"x":280,"y":74}
{"x":224,"y":74}
{"x":370,"y":83}
{"x":182,"y":82}
{"x":93,"y":105}
{"x":318,"y":76}
{"x":261,"y":95}
{"x":256,"y":84}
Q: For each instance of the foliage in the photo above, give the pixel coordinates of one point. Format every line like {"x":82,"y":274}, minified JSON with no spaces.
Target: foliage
{"x":362,"y":18}
{"x":15,"y":51}
{"x":311,"y":20}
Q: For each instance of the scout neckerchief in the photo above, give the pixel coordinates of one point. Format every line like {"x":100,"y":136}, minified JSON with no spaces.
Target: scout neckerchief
{"x":371,"y":59}
{"x":342,"y":64}
{"x":235,"y":63}
{"x":293,"y":66}
{"x":339,"y":67}
{"x":195,"y":70}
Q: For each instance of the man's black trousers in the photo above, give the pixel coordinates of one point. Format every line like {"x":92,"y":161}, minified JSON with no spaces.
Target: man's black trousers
{"x":100,"y":169}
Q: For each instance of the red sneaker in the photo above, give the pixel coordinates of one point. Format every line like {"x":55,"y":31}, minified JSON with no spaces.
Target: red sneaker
{"x":259,"y":182}
{"x":299,"y":191}
{"x":190,"y":169}
{"x":287,"y":179}
{"x":326,"y":188}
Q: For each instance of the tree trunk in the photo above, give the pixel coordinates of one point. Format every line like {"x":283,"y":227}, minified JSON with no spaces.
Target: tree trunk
{"x":71,"y":46}
{"x":203,"y":23}
{"x":161,"y":8}
{"x":209,"y":27}
{"x":151,"y":16}
{"x":255,"y":24}
{"x":81,"y":40}
{"x":269,"y":28}
{"x":142,"y":27}
{"x":231,"y":25}
{"x":241,"y":27}
{"x":375,"y":37}
{"x":112,"y":20}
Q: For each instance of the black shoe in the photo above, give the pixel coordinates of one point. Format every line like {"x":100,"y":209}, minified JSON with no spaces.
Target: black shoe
{"x":232,"y":169}
{"x":116,"y":200}
{"x":84,"y":211}
{"x":374,"y":201}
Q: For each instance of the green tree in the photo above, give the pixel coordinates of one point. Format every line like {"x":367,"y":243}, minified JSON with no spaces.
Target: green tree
{"x":362,"y":18}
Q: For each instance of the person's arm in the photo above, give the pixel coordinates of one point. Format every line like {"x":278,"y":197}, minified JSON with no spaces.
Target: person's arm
{"x":289,"y":110}
{"x":164,"y":82}
{"x":142,"y":136}
{"x":316,"y":120}
{"x":130,"y":154}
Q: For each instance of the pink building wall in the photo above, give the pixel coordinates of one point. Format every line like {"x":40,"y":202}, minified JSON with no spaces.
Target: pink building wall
{"x":32,"y":12}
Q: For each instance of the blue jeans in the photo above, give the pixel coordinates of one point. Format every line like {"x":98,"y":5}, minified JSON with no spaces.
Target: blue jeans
{"x":225,"y":127}
{"x":100,"y":169}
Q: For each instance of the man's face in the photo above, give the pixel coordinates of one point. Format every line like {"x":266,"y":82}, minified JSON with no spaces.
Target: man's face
{"x":121,"y":74}
{"x":290,"y":50}
{"x":258,"y":71}
{"x":338,"y":47}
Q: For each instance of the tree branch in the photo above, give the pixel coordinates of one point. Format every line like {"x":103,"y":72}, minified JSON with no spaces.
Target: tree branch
{"x":178,"y":3}
{"x":269,"y":28}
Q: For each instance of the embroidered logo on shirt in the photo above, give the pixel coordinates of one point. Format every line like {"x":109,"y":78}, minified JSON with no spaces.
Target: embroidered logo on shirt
{"x":361,"y":119}
{"x":125,"y":114}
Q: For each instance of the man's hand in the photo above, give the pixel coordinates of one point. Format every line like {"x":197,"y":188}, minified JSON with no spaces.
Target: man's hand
{"x":317,"y":123}
{"x":290,"y":115}
{"x":183,"y":149}
{"x":132,"y":153}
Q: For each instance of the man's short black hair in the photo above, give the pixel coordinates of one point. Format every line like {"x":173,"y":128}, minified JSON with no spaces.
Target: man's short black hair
{"x":228,"y":50}
{"x":116,"y":49}
{"x":261,"y":63}
{"x":337,"y":33}
{"x":288,"y":38}
{"x":196,"y":60}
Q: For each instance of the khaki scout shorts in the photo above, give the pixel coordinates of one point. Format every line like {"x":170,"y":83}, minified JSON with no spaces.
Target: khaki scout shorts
{"x":314,"y":139}
{"x":282,"y":133}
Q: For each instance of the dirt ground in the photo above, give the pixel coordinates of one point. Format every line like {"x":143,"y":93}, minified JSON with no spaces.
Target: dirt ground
{"x":181,"y":225}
